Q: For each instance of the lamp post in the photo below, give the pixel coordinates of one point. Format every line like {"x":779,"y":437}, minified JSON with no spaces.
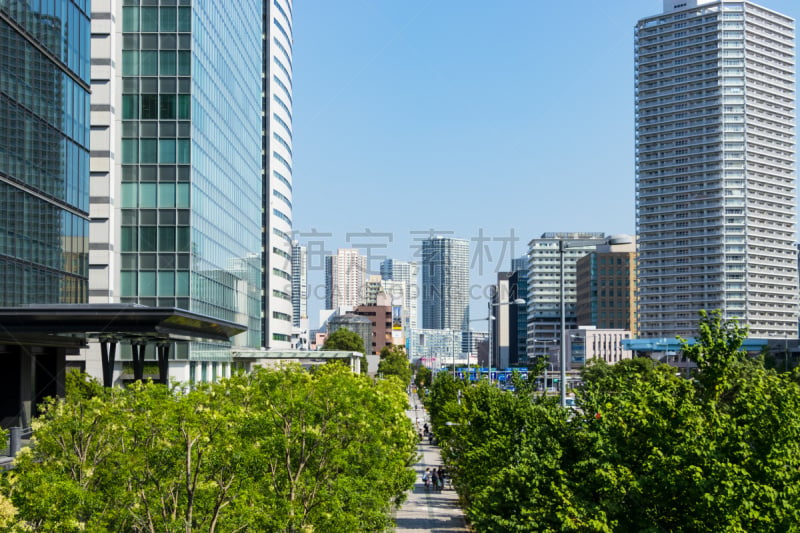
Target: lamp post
{"x":489,"y":318}
{"x":563,"y":246}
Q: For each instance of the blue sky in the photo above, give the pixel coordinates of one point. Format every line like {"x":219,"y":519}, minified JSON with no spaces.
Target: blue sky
{"x":477,"y":119}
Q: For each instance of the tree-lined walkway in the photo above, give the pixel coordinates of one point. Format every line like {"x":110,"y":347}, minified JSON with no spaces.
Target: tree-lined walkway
{"x":428,"y":509}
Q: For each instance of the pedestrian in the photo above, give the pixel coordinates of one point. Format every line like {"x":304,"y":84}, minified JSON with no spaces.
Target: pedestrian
{"x":435,"y":479}
{"x":442,"y":476}
{"x":426,"y":477}
{"x":425,"y":427}
{"x":430,"y":438}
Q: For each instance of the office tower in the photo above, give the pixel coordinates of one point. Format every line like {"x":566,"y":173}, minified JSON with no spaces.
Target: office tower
{"x":44,"y":152}
{"x":345,"y":278}
{"x":606,"y":287}
{"x":177,"y":197}
{"x":445,"y":283}
{"x":545,"y":284}
{"x":715,"y":176}
{"x":518,"y":314}
{"x":277,"y":163}
{"x":406,"y":273}
{"x":299,"y":284}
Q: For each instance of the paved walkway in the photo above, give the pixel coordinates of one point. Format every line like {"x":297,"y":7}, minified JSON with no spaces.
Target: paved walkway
{"x":428,"y":509}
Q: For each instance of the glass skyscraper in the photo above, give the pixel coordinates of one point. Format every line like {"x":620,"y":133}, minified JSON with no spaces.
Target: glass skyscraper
{"x":183,"y":169}
{"x":44,"y":152}
{"x":716,"y":185}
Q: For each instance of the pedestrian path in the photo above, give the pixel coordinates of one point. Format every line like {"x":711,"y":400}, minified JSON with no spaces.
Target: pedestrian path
{"x":428,"y":509}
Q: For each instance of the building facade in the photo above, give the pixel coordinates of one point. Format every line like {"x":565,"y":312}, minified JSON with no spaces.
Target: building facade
{"x":589,"y":343}
{"x":500,"y":326}
{"x":406,"y":273}
{"x":360,"y":325}
{"x":381,"y":318}
{"x":438,"y":348}
{"x":277,"y":177}
{"x":177,"y":193}
{"x":606,"y":288}
{"x":518,"y":314}
{"x":715,"y":174}
{"x":299,"y":284}
{"x":445,"y":284}
{"x":545,"y":283}
{"x":345,"y":278}
{"x":44,"y":152}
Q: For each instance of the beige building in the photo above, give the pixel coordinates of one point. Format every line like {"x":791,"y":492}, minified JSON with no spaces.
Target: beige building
{"x":606,"y":287}
{"x":588,"y":343}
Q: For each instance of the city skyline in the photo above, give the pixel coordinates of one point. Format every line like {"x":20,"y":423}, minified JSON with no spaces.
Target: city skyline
{"x":406,"y":96}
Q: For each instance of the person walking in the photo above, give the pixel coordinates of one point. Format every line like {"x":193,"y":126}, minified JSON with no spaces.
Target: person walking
{"x":442,"y":476}
{"x":426,"y":477}
{"x":435,"y":479}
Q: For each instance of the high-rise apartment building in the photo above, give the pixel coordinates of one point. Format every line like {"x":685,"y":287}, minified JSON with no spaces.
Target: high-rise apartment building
{"x":177,"y":192}
{"x":445,"y":284}
{"x":277,"y":164}
{"x":545,"y":284}
{"x":716,"y":183}
{"x":404,"y":272}
{"x":345,"y":278}
{"x":44,"y":152}
{"x":299,"y":283}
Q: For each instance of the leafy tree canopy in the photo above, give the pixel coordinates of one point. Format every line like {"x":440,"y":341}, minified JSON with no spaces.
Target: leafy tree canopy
{"x":394,"y":362}
{"x":645,"y":450}
{"x":277,"y":450}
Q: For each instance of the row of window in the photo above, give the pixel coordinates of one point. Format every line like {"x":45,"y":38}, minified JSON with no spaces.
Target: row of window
{"x":156,"y":62}
{"x":156,"y":151}
{"x":155,"y":19}
{"x":156,"y":106}
{"x":153,"y":195}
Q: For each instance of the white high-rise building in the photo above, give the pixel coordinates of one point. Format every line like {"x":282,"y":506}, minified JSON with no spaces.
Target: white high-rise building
{"x":715,"y":185}
{"x":277,"y":172}
{"x":445,"y":283}
{"x":345,"y":278}
{"x":545,"y":283}
{"x":299,"y":283}
{"x":404,"y":272}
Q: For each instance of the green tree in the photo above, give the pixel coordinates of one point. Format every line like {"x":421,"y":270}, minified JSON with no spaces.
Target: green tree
{"x":645,"y":451}
{"x":278,"y":450}
{"x":348,"y":341}
{"x":394,"y":362}
{"x":423,"y":377}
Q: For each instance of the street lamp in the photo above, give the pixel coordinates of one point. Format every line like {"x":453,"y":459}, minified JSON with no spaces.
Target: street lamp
{"x":547,"y":353}
{"x":489,"y":318}
{"x":563,"y":246}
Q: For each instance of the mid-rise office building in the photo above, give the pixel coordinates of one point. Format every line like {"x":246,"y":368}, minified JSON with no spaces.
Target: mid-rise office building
{"x":438,"y":348}
{"x":299,"y":284}
{"x":545,"y":283}
{"x":44,"y":152}
{"x":345,"y":278}
{"x":606,"y":287}
{"x":445,"y":284}
{"x":176,"y":167}
{"x":715,"y":172}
